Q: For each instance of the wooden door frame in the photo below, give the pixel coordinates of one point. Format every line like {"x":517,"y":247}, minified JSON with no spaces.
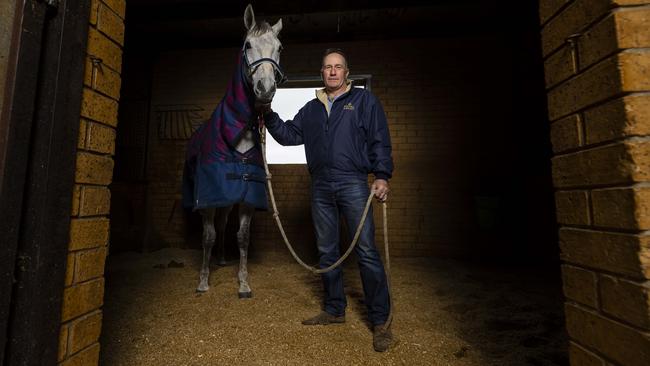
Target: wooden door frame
{"x":40,"y":120}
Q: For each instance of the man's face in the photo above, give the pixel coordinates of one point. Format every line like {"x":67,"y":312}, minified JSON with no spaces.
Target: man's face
{"x":334,"y":71}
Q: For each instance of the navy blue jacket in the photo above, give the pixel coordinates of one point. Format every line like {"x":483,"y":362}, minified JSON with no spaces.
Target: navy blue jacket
{"x":349,"y":144}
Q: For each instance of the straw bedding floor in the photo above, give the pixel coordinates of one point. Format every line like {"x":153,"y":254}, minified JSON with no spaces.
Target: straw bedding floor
{"x":446,"y":313}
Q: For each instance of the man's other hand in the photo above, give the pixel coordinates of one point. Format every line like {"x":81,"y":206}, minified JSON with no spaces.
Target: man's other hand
{"x":381,"y":189}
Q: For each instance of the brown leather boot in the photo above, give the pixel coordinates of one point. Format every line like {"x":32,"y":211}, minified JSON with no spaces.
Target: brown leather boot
{"x":324,"y":318}
{"x":381,"y":338}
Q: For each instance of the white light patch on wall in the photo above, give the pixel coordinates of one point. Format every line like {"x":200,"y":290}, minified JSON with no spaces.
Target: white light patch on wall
{"x":287,"y":103}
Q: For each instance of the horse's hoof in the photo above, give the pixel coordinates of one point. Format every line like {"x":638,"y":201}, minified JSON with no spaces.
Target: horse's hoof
{"x":202,"y":288}
{"x":246,"y":295}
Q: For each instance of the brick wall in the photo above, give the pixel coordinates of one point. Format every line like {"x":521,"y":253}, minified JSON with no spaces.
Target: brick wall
{"x":597,"y":66}
{"x":447,"y":102}
{"x":89,"y":228}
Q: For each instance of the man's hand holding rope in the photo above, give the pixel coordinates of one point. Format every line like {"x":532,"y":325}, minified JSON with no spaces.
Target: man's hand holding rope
{"x":381,"y":189}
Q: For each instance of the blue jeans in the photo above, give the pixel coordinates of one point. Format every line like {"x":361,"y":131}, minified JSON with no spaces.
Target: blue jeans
{"x":329,"y":200}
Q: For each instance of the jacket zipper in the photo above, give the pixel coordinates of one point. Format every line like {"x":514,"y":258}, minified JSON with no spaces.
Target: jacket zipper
{"x":327,"y":119}
{"x":328,"y":162}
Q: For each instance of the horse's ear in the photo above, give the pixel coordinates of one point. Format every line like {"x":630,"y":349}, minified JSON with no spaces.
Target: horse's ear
{"x":249,"y":17}
{"x":277,"y":27}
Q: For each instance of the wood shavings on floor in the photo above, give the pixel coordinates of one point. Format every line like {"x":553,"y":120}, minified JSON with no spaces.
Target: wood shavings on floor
{"x":446,"y":313}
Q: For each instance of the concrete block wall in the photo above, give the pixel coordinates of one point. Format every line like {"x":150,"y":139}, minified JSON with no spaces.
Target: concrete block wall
{"x":598,"y":82}
{"x":89,"y":228}
{"x":430,"y":103}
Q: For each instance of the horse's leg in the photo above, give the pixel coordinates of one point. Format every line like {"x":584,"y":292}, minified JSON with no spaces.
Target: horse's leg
{"x":243,"y":239}
{"x":222,"y":220}
{"x":208,"y":241}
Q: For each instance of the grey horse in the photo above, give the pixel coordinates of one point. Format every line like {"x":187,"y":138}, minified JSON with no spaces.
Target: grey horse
{"x":260,"y":72}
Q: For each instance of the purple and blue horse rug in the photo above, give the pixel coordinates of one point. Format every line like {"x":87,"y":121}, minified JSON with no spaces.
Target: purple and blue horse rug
{"x":215,"y":173}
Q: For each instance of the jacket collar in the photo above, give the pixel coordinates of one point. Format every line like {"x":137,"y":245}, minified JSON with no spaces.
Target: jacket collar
{"x":321,"y":95}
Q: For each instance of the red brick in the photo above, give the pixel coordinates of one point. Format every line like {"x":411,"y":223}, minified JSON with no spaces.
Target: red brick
{"x":118,"y":6}
{"x":622,"y":208}
{"x":626,"y":28}
{"x":616,"y":341}
{"x":598,"y":42}
{"x":579,"y":356}
{"x":88,"y":233}
{"x":632,"y":26}
{"x":102,"y":47}
{"x":580,"y":285}
{"x":560,"y":66}
{"x":90,"y":264}
{"x":634,"y":68}
{"x":548,"y":8}
{"x":626,"y":300}
{"x":625,"y":254}
{"x":101,"y":138}
{"x":623,"y":117}
{"x":620,"y":163}
{"x":94,"y":169}
{"x":567,"y":133}
{"x":76,"y":197}
{"x":84,"y":332}
{"x":102,"y":79}
{"x":87,"y":357}
{"x":94,"y":8}
{"x":95,"y":201}
{"x":82,"y":298}
{"x":572,"y":207}
{"x":69,"y":269}
{"x":109,"y":23}
{"x":570,"y":21}
{"x":63,"y":342}
{"x":623,"y":72}
{"x":81,"y":143}
{"x":99,"y":107}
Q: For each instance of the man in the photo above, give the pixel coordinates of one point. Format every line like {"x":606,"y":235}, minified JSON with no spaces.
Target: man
{"x":346,"y":137}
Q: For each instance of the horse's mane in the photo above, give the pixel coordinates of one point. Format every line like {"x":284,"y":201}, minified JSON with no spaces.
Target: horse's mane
{"x":259,"y":29}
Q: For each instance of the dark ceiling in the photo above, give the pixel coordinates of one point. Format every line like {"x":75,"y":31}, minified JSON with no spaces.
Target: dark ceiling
{"x":209,"y":23}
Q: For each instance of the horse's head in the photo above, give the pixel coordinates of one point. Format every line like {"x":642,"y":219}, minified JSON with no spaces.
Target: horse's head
{"x":262,"y":56}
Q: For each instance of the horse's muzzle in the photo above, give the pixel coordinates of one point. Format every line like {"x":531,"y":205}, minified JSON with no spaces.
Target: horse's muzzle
{"x":262,"y":95}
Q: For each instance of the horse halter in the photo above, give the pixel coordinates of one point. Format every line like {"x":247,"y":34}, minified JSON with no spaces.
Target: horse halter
{"x":280,"y":77}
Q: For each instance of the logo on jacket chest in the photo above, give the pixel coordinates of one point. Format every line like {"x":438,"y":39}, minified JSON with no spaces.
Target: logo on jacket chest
{"x":348,"y":107}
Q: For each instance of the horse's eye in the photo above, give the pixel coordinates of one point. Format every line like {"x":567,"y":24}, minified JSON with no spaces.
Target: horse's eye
{"x":248,"y":46}
{"x":280,"y":49}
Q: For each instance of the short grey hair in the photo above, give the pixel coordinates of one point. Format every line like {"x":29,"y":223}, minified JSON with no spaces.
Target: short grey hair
{"x":330,"y":51}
